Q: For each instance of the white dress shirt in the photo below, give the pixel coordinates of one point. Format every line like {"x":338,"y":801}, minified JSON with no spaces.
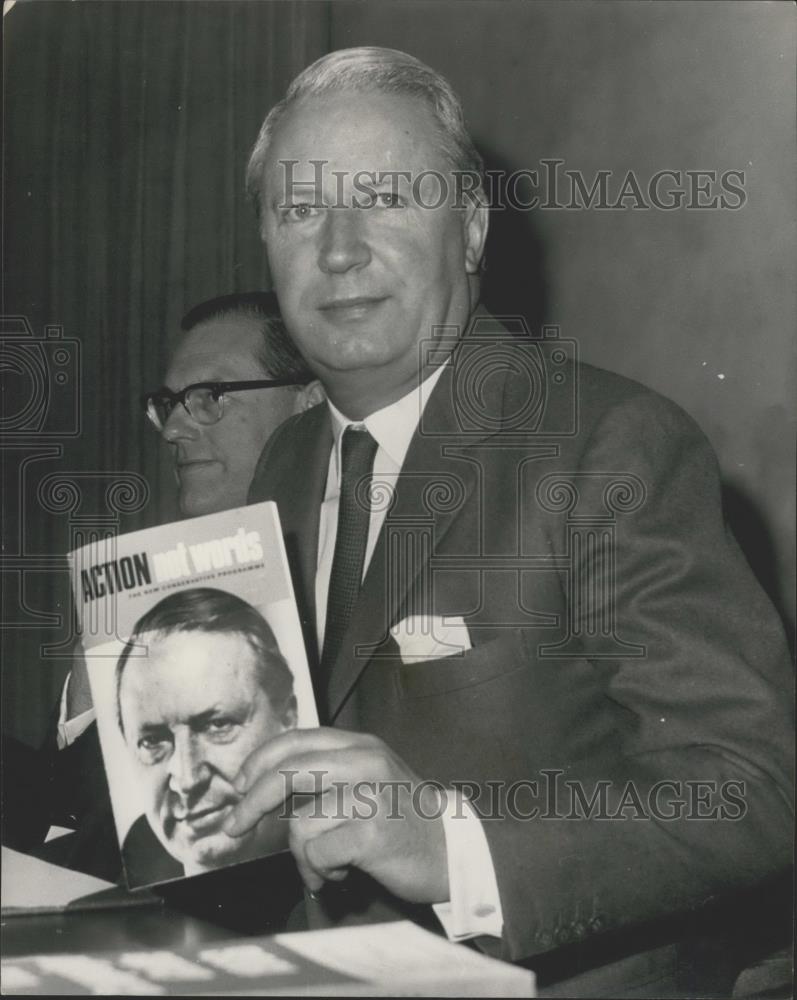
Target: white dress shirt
{"x":474,"y":907}
{"x":70,"y":729}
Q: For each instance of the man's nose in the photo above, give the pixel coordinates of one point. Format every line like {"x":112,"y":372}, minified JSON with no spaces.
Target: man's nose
{"x":179,"y":424}
{"x":344,"y":243}
{"x":188,"y":770}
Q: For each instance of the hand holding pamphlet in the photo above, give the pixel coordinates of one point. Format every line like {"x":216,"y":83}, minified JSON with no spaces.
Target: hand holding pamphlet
{"x":195,"y":658}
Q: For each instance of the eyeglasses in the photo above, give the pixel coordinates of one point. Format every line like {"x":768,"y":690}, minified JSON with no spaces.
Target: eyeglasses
{"x":204,"y":401}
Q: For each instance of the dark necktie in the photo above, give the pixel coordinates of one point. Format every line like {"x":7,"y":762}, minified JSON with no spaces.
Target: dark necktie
{"x":358,"y":449}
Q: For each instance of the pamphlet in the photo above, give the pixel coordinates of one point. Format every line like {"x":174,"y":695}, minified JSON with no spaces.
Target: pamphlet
{"x":195,"y":658}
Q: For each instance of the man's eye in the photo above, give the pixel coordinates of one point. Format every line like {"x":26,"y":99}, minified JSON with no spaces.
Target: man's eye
{"x":300,"y":211}
{"x":150,"y":742}
{"x":389,"y":199}
{"x":220,"y":727}
{"x":151,"y":749}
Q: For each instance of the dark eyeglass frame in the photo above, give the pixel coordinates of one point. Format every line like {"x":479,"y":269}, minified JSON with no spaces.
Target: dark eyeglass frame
{"x":169,"y":399}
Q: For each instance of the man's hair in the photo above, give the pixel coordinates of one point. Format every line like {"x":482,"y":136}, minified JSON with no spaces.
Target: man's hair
{"x":367,"y":69}
{"x":205,"y":609}
{"x":278,"y":356}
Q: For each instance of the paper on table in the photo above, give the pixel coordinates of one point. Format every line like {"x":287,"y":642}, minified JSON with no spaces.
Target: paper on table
{"x":377,"y":960}
{"x":409,"y":959}
{"x":29,"y":883}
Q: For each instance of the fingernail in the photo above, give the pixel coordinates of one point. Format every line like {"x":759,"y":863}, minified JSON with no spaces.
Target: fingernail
{"x":239,"y":783}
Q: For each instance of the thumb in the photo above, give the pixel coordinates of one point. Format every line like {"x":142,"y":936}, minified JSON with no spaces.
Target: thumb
{"x":330,"y":854}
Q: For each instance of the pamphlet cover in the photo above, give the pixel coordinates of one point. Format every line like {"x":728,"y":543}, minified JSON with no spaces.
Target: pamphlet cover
{"x":195,"y":658}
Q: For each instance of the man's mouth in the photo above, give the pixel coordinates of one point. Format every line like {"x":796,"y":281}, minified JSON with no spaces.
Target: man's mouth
{"x":347,"y":309}
{"x":195,"y":465}
{"x":201,"y":822}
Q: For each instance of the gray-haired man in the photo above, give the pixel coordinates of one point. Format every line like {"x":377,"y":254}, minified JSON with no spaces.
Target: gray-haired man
{"x":637,"y":671}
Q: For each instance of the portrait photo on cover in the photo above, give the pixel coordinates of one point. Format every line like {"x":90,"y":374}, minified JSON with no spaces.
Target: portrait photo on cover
{"x":193,"y":682}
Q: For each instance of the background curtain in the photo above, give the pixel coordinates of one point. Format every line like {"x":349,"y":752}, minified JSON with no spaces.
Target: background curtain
{"x":127,"y":129}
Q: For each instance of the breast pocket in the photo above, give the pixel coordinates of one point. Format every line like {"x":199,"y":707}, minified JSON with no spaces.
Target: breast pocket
{"x":484,"y":663}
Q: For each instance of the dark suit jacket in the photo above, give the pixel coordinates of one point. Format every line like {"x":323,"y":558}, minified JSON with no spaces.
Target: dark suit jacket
{"x":618,"y":636}
{"x":43,"y":787}
{"x":146,"y":860}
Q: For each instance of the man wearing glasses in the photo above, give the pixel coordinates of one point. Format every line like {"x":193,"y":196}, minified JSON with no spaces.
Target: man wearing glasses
{"x":233,"y":378}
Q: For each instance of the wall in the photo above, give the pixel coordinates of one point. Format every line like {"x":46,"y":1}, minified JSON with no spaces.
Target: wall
{"x":127,"y":128}
{"x":700,"y":304}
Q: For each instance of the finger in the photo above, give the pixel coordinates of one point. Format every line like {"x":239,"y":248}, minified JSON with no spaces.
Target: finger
{"x":333,"y":851}
{"x":314,"y":877}
{"x":308,"y":773}
{"x":315,"y":880}
{"x":311,"y":878}
{"x":311,"y":817}
{"x":299,"y":777}
{"x":310,"y":821}
{"x":274,"y":752}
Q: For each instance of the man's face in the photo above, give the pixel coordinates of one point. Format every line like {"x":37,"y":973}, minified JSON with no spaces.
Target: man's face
{"x":192,"y":712}
{"x":214,"y":463}
{"x":361,"y":287}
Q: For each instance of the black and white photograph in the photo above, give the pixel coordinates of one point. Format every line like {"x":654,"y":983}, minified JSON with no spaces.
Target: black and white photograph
{"x":188,"y":678}
{"x":398,"y":450}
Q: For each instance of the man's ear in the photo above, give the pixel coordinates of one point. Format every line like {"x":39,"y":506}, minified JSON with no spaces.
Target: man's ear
{"x":308,"y":396}
{"x":290,"y":714}
{"x":477,"y":220}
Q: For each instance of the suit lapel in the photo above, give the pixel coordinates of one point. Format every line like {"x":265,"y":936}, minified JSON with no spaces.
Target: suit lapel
{"x":297,"y":483}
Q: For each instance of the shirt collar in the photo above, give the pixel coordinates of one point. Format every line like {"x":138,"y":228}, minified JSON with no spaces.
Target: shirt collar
{"x":392,"y":427}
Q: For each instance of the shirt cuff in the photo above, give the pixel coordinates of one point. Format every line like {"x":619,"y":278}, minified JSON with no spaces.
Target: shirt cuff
{"x":474,"y":907}
{"x":70,"y":729}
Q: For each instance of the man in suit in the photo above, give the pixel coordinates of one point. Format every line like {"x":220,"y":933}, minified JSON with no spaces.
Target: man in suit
{"x":231,"y":339}
{"x":606,"y":747}
{"x":235,"y":355}
{"x":213,"y":687}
